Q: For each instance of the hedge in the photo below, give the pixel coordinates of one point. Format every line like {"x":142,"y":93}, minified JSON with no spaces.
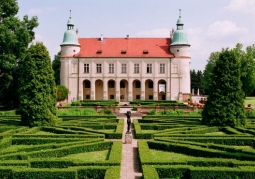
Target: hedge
{"x":198,"y":151}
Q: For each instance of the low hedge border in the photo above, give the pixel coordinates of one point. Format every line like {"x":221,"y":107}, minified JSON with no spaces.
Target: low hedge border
{"x":59,"y":152}
{"x":9,"y":133}
{"x":190,"y":172}
{"x":210,"y":146}
{"x":198,"y":151}
{"x":138,"y":132}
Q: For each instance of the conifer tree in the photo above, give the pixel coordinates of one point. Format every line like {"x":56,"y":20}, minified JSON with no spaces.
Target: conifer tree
{"x":225,"y":104}
{"x":37,"y":90}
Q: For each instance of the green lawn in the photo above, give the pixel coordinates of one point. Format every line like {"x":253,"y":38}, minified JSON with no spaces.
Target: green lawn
{"x":249,"y":100}
{"x":89,"y":156}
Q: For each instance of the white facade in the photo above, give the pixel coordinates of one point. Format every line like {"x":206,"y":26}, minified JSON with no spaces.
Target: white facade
{"x":134,"y":69}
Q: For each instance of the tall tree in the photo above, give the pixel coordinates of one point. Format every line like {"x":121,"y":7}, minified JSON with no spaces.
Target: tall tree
{"x":197,"y":81}
{"x":248,"y":70}
{"x":37,"y":89}
{"x":15,"y":35}
{"x":207,"y":75}
{"x":224,"y":105}
{"x":56,"y":67}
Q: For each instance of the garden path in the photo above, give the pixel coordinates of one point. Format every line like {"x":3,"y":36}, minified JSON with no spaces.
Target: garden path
{"x":130,"y":164}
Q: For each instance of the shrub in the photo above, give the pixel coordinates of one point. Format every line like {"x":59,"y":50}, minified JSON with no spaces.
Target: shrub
{"x":152,"y":112}
{"x":61,"y":92}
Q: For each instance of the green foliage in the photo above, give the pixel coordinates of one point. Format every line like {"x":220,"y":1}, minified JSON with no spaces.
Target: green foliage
{"x":77,"y":112}
{"x":14,"y":39}
{"x":56,"y":68}
{"x":224,"y":105}
{"x":62,"y":92}
{"x":197,"y":81}
{"x":37,"y":91}
{"x":106,"y":111}
{"x":152,"y":112}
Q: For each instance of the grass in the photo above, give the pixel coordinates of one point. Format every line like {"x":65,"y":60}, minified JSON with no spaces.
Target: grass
{"x":249,"y":100}
{"x":169,"y":156}
{"x":89,"y":156}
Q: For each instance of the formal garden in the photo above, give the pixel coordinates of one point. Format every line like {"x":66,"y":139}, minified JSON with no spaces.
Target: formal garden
{"x":87,"y":144}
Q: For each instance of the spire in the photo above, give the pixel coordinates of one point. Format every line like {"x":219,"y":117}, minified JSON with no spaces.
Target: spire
{"x":70,"y":36}
{"x":179,"y":36}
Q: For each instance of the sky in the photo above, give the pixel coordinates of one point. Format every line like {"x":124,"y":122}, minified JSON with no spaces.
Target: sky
{"x":210,"y":25}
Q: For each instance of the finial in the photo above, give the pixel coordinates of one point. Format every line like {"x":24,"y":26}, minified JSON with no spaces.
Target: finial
{"x":180,"y":13}
{"x":70,"y":13}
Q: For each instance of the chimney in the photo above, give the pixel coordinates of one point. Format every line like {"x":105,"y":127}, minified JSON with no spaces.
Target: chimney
{"x":102,"y":38}
{"x":127,"y":37}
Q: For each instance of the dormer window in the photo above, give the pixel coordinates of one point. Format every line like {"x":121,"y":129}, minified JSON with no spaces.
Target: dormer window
{"x":123,"y":51}
{"x":145,"y":52}
{"x":99,"y":52}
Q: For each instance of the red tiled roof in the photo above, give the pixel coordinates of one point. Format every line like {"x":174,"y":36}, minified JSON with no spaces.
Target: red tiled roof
{"x":116,"y":47}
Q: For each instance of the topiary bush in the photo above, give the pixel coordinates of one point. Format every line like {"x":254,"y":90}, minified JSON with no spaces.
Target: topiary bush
{"x":61,"y":92}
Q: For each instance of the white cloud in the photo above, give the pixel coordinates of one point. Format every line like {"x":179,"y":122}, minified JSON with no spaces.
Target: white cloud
{"x":242,"y":6}
{"x":35,"y":11}
{"x":38,"y":11}
{"x":221,"y":29}
{"x":154,"y":33}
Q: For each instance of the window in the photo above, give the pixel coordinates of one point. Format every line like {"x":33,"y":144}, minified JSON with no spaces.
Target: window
{"x":111,"y":96}
{"x":175,"y":68}
{"x":149,"y":68}
{"x":150,"y":97}
{"x":137,"y":97}
{"x":137,"y":84}
{"x":123,"y":68}
{"x":111,"y":68}
{"x":87,"y":96}
{"x":136,"y":68}
{"x":99,"y":68}
{"x":86,"y":68}
{"x":74,"y":68}
{"x":111,"y":84}
{"x":162,"y":68}
{"x":87,"y":84}
{"x":150,"y":84}
{"x":122,"y":84}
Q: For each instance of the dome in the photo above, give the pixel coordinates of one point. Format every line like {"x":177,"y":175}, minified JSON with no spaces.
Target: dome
{"x":180,"y":38}
{"x":179,"y":22}
{"x":70,"y":38}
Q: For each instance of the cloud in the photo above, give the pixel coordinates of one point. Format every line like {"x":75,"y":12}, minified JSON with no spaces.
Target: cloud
{"x":242,"y":6}
{"x":38,"y":11}
{"x":154,"y":33}
{"x":221,"y":29}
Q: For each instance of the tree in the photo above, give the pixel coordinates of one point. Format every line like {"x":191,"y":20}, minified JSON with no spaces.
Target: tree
{"x":197,"y":81}
{"x":207,"y":75}
{"x":224,"y":105}
{"x":15,"y":35}
{"x":37,"y":90}
{"x":248,"y":70}
{"x":56,"y":67}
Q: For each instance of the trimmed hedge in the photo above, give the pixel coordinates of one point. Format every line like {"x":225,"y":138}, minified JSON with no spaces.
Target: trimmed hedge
{"x":198,"y":151}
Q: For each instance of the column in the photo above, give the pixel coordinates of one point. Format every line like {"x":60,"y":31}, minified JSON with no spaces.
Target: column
{"x":130,"y":90}
{"x":117,"y":89}
{"x":142,"y":89}
{"x":105,"y":88}
{"x":155,"y":89}
{"x":92,"y":89}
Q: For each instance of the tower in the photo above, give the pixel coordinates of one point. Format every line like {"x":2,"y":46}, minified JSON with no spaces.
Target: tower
{"x":70,"y":44}
{"x":180,"y":47}
{"x":69,"y":47}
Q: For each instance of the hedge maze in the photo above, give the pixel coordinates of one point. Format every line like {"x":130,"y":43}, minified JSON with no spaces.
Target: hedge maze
{"x":77,"y":148}
{"x":178,"y":147}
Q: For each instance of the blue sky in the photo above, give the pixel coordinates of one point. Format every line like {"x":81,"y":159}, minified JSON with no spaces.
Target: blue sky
{"x":211,"y":25}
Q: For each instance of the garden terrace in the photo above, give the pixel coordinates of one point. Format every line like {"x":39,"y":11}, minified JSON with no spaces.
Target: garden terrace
{"x":76,"y":148}
{"x":184,"y":148}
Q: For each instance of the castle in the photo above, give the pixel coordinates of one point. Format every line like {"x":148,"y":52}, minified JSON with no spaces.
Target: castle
{"x":126,"y":68}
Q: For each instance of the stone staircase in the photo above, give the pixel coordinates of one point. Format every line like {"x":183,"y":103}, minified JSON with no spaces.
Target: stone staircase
{"x":124,"y":107}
